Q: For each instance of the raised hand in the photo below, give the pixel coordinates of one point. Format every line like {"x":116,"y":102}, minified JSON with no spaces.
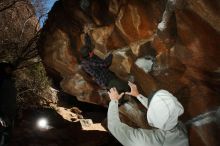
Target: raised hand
{"x":134,"y":90}
{"x":113,"y":94}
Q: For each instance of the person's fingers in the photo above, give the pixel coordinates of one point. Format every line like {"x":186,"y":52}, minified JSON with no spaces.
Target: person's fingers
{"x":121,"y":95}
{"x":129,"y":84}
{"x":112,"y":90}
{"x":128,"y":93}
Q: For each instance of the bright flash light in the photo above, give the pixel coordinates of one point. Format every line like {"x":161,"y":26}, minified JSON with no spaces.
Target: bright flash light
{"x":42,"y":123}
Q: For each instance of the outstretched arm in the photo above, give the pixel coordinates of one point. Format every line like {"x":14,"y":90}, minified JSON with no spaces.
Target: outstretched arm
{"x":134,"y":92}
{"x":126,"y":135}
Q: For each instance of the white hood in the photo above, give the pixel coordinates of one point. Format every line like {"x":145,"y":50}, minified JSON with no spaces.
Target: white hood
{"x":164,"y":110}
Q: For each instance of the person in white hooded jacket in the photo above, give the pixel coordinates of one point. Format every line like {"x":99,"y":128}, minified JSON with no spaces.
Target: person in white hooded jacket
{"x":163,"y":112}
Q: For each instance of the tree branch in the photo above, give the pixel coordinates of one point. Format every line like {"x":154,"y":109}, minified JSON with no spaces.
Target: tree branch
{"x":27,"y":52}
{"x":27,"y":65}
{"x":25,"y":24}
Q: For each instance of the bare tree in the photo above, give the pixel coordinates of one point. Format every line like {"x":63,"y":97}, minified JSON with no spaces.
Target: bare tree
{"x":21,"y":50}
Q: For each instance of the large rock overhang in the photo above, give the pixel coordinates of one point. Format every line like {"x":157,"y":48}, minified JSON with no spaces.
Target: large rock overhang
{"x":185,"y":54}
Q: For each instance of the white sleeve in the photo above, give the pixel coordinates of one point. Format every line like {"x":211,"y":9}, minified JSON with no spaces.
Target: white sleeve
{"x":126,"y":135}
{"x":143,"y":100}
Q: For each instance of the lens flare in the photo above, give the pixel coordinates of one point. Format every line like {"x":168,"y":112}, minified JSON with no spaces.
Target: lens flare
{"x":42,"y":123}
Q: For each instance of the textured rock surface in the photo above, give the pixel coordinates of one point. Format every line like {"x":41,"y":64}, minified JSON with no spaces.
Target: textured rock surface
{"x":185,"y":53}
{"x":18,"y":23}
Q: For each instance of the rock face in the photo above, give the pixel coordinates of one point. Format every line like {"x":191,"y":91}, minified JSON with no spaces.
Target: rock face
{"x":184,"y":51}
{"x":18,"y":24}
